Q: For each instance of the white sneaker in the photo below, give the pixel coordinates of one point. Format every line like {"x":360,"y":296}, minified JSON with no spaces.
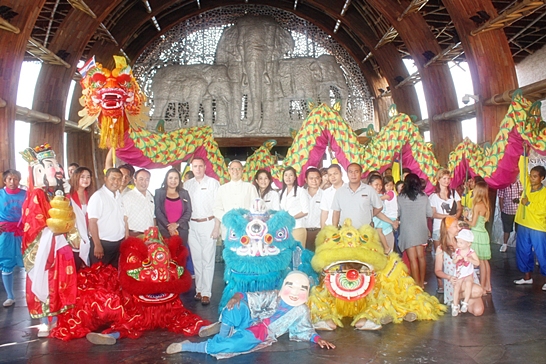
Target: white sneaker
{"x":455,"y":310}
{"x":369,"y":326}
{"x":322,"y":325}
{"x":503,"y":248}
{"x":9,"y":302}
{"x":524,"y":281}
{"x":43,"y":330}
{"x":100,"y":339}
{"x":544,"y":287}
{"x":464,"y":307}
{"x":176,"y":347}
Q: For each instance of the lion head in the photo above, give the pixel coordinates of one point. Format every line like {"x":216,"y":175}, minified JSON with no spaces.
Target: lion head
{"x":151,"y":269}
{"x":347,"y":259}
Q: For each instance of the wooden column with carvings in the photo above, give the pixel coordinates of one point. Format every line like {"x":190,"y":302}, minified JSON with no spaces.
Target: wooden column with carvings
{"x":12,"y":52}
{"x":54,"y":81}
{"x":490,"y":61}
{"x":437,"y":82}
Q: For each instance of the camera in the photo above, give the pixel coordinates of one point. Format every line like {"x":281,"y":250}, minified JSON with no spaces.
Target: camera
{"x":466,"y":98}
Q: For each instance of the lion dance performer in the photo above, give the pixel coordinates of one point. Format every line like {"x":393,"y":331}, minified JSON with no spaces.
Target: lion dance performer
{"x":47,"y":255}
{"x":253,"y":320}
{"x":143,"y":295}
{"x":359,"y":281}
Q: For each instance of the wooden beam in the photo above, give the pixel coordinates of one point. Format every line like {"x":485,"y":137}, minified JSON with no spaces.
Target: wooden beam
{"x":6,"y":25}
{"x":72,"y":37}
{"x":13,"y":48}
{"x":252,"y":141}
{"x":38,"y":51}
{"x":490,"y":61}
{"x":520,"y":10}
{"x":416,"y":34}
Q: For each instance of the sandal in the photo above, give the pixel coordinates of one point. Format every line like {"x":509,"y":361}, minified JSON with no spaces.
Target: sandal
{"x":464,"y":306}
{"x":455,"y":310}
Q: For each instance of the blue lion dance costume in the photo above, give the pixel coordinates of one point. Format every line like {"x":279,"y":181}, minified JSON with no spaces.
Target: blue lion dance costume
{"x":259,"y":250}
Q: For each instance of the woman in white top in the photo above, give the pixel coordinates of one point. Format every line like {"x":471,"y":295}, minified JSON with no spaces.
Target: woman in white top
{"x":263,"y":182}
{"x":294,"y":201}
{"x":444,"y":202}
{"x":81,"y":188}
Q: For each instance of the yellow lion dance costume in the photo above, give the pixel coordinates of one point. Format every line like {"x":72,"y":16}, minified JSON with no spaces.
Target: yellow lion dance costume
{"x":359,"y":281}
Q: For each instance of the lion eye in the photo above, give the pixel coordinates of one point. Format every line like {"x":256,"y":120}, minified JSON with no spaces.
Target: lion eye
{"x":281,"y":234}
{"x":232,"y":235}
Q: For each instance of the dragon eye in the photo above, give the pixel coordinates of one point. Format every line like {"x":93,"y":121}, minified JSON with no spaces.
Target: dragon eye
{"x":124,"y":79}
{"x":99,"y":78}
{"x":281,"y":234}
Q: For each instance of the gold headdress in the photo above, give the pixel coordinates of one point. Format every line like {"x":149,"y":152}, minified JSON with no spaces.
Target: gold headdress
{"x":35,"y":155}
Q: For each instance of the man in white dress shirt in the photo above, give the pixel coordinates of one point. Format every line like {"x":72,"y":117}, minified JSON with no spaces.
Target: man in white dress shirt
{"x":204,"y":228}
{"x":336,"y":181}
{"x":234,"y":194}
{"x":139,"y":206}
{"x":314,"y":194}
{"x":106,"y":220}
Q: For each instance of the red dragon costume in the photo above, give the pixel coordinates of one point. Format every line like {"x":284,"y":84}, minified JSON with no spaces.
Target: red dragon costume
{"x":143,"y":295}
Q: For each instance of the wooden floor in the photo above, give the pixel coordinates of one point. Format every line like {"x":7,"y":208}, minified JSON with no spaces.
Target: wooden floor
{"x":512,"y":330}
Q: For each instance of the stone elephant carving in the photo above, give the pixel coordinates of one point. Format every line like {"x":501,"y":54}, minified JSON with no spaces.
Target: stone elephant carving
{"x":251,"y":49}
{"x":198,"y":86}
{"x":312,"y":79}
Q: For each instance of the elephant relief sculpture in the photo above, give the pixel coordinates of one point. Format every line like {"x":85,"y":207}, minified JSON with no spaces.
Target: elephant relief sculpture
{"x":249,"y":88}
{"x":311,"y":79}
{"x":198,"y":86}
{"x":251,"y":49}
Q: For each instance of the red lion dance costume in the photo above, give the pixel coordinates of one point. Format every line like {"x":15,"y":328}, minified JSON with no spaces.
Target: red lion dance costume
{"x":144,"y":297}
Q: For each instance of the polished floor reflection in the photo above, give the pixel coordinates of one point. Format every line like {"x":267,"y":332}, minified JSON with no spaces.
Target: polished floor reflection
{"x":512,"y":330}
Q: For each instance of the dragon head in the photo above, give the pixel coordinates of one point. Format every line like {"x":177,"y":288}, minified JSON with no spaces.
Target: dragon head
{"x":151,"y":269}
{"x":348,"y":259}
{"x":114,"y":97}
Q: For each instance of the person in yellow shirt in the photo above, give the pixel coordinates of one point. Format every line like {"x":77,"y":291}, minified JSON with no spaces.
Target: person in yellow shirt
{"x":531,"y":217}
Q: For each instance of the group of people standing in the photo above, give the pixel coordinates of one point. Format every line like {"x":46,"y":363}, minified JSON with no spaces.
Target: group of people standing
{"x":194,"y":210}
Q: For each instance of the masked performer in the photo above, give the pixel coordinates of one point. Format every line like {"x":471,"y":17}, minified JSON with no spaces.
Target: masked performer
{"x":251,"y":321}
{"x":47,"y":254}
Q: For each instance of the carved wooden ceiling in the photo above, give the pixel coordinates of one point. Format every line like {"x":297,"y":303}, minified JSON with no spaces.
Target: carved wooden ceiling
{"x":523,"y":21}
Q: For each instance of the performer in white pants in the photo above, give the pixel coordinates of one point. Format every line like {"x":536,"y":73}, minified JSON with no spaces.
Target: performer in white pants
{"x":204,"y":228}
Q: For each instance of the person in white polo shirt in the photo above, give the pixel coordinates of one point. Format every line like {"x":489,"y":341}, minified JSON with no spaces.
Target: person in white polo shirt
{"x":355,"y":200}
{"x":314,"y":197}
{"x":106,"y":220}
{"x":138,"y":204}
{"x":335,"y":180}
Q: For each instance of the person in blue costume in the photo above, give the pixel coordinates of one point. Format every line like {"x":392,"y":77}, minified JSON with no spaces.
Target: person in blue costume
{"x":253,"y":320}
{"x":11,"y":232}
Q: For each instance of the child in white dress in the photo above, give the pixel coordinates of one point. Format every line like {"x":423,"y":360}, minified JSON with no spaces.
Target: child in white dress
{"x":465,"y":259}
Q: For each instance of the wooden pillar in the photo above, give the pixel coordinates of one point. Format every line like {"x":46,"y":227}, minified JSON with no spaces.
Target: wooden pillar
{"x":490,"y":61}
{"x":54,"y":81}
{"x":12,"y":52}
{"x":437,"y":82}
{"x":388,"y":59}
{"x":78,"y":142}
